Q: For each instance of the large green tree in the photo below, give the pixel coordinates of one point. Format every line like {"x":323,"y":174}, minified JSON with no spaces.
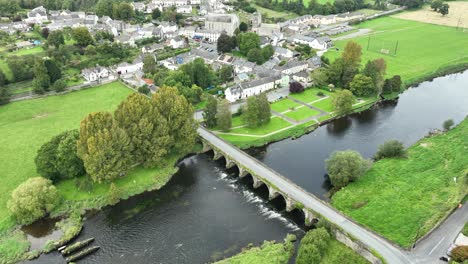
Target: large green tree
{"x":248,"y":41}
{"x":148,"y":132}
{"x":123,"y":11}
{"x":313,"y":246}
{"x":226,"y":43}
{"x":33,"y":199}
{"x":376,"y":69}
{"x":82,"y":36}
{"x":104,"y":147}
{"x":178,"y":113}
{"x":149,"y":64}
{"x":199,"y":73}
{"x":209,"y":113}
{"x":41,"y":80}
{"x":342,"y":101}
{"x":226,"y":73}
{"x":362,"y":85}
{"x":104,"y":8}
{"x":224,"y":116}
{"x":344,"y":167}
{"x":53,"y":70}
{"x":257,"y":111}
{"x":56,"y":39}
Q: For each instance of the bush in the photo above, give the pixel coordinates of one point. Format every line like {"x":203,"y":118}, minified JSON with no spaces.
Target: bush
{"x":33,"y":199}
{"x":313,"y":246}
{"x":344,"y":167}
{"x":296,"y":87}
{"x":144,"y":89}
{"x":390,"y":149}
{"x":465,"y":229}
{"x":460,"y":253}
{"x":448,"y":124}
{"x":59,"y":86}
{"x":321,"y":94}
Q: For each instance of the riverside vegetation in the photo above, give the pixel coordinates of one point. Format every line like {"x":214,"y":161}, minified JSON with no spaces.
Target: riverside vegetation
{"x":138,"y":130}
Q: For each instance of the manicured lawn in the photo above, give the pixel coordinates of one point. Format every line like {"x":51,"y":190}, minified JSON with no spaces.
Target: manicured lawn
{"x":237,"y":121}
{"x":275,"y":124}
{"x":21,"y":52}
{"x":302,"y":113}
{"x":398,"y":197}
{"x":26,"y":125}
{"x":273,"y":13}
{"x":283,"y":105}
{"x":324,"y":104}
{"x":308,"y":95}
{"x":415,"y":59}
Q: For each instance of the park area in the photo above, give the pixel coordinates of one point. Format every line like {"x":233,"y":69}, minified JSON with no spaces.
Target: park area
{"x":404,"y":198}
{"x":291,"y":117}
{"x":406,"y":45}
{"x":26,"y":125}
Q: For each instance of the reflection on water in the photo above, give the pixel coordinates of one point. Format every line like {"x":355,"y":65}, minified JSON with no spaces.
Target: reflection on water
{"x":39,"y":232}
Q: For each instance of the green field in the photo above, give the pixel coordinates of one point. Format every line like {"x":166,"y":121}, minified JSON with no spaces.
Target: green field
{"x":402,"y":199}
{"x":423,"y":49}
{"x":302,"y":113}
{"x":275,"y":124}
{"x":283,"y":105}
{"x":22,"y":52}
{"x":26,"y":125}
{"x":324,"y":104}
{"x":309,"y":95}
{"x":337,"y":252}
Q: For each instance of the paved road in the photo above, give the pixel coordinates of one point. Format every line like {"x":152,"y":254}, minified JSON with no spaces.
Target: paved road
{"x":391,"y":253}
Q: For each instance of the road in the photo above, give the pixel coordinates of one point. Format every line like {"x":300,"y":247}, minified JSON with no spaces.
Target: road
{"x":389,"y":252}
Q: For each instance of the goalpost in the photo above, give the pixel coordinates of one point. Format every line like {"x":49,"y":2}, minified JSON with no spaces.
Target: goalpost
{"x":386,"y":47}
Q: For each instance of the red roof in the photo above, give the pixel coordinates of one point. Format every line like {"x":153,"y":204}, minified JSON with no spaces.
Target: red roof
{"x":148,"y":81}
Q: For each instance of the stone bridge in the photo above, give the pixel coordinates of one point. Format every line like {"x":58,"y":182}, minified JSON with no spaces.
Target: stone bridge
{"x":297,"y":198}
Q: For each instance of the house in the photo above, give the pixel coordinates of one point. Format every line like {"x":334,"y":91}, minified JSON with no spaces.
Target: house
{"x":188,"y":32}
{"x":282,"y":52}
{"x":322,"y":43}
{"x":167,"y":30}
{"x":37,"y":16}
{"x":207,"y":35}
{"x":314,"y":62}
{"x":222,"y":22}
{"x":152,"y":48}
{"x":292,"y":67}
{"x":125,"y":68}
{"x":138,"y":6}
{"x":24,"y":45}
{"x":177,"y":42}
{"x":184,"y":9}
{"x":95,"y":74}
{"x":267,"y":30}
{"x":245,"y":89}
{"x":348,"y":16}
{"x":243,"y":66}
{"x":303,"y":77}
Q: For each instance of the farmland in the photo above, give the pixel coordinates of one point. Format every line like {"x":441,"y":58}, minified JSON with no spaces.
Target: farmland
{"x":447,"y":47}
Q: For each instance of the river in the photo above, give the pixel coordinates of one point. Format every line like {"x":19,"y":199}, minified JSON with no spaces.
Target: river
{"x":205,"y":213}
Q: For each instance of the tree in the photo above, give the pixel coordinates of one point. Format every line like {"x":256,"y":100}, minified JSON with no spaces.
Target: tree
{"x":344,"y":167}
{"x":53,"y":70}
{"x":209,"y":113}
{"x":149,"y":64}
{"x":82,"y":36}
{"x":376,"y":70}
{"x":56,"y":39}
{"x":123,"y":11}
{"x":267,"y":52}
{"x":144,"y":89}
{"x":341,"y":73}
{"x":313,"y":245}
{"x":104,"y":8}
{"x":248,"y":41}
{"x":178,"y":113}
{"x":387,"y":86}
{"x":255,"y":55}
{"x":436,"y":5}
{"x":448,"y":124}
{"x":352,"y":53}
{"x":4,"y":95}
{"x":156,"y":14}
{"x":41,"y":81}
{"x":45,"y":33}
{"x":226,"y":73}
{"x":444,"y":9}
{"x":226,"y":43}
{"x":319,"y":77}
{"x":342,"y":101}
{"x":114,"y":194}
{"x":57,"y":159}
{"x":390,"y":149}
{"x":296,"y":87}
{"x":199,"y":73}
{"x":257,"y":111}
{"x":396,"y":83}
{"x":460,"y":253}
{"x":223,"y":115}
{"x":362,"y":85}
{"x":104,"y":147}
{"x":243,"y":27}
{"x":59,"y":86}
{"x":33,"y":199}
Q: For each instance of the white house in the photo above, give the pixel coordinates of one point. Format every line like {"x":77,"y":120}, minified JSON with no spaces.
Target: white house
{"x":184,"y":9}
{"x":95,"y":74}
{"x":167,"y":30}
{"x":303,"y":77}
{"x":177,"y":42}
{"x":246,"y":89}
{"x":292,"y":67}
{"x":188,"y":31}
{"x":136,"y":65}
{"x":37,"y":16}
{"x":243,"y":66}
{"x":138,"y":6}
{"x":209,"y":35}
{"x":286,"y":53}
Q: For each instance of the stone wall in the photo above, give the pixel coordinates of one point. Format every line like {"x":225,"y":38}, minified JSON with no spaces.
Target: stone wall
{"x":357,"y":246}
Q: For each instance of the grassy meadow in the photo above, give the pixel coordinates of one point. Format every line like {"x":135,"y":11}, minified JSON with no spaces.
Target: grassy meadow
{"x":423,"y":49}
{"x":402,"y":199}
{"x":26,"y":125}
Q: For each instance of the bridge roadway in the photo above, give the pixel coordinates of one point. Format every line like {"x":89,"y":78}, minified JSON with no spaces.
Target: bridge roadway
{"x":389,"y":252}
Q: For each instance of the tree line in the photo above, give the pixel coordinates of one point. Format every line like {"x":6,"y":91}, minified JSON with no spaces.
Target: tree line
{"x":314,"y":7}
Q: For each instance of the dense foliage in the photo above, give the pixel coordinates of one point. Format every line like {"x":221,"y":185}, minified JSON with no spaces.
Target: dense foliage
{"x":342,"y":101}
{"x":210,"y":111}
{"x":313,"y":246}
{"x":33,"y":199}
{"x":257,"y":111}
{"x":460,"y":253}
{"x":224,"y":116}
{"x":344,"y":167}
{"x":296,"y":87}
{"x":390,"y":149}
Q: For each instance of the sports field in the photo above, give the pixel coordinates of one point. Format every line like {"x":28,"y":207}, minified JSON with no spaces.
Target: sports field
{"x":423,"y":49}
{"x":26,"y":125}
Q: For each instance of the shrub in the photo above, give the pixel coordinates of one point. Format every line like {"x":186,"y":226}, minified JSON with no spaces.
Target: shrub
{"x":296,"y":87}
{"x":344,"y":167}
{"x":460,"y":253}
{"x":33,"y":199}
{"x":313,"y":246}
{"x":144,"y":89}
{"x":448,"y":124}
{"x":321,"y":94}
{"x":465,"y":229}
{"x":390,"y":149}
{"x":59,"y":86}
